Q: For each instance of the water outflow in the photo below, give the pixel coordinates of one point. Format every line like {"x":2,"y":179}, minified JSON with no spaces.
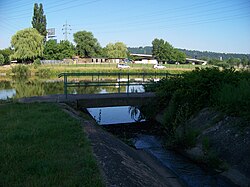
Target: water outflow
{"x":189,"y":173}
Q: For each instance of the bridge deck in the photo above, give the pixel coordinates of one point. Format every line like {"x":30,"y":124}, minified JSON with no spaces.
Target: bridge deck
{"x":95,"y":100}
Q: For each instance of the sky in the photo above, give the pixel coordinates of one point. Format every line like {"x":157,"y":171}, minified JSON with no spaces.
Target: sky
{"x":204,"y":25}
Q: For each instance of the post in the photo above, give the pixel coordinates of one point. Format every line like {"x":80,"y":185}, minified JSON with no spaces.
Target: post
{"x":119,"y":84}
{"x":65,"y":85}
{"x":128,"y":84}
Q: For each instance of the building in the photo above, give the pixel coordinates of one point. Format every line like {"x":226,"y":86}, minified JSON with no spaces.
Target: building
{"x":96,"y":60}
{"x":144,"y":59}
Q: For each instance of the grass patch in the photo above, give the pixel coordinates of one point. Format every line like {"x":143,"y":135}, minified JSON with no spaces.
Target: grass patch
{"x":43,"y":146}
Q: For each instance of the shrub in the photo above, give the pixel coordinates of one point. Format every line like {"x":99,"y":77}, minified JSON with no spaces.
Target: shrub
{"x":44,"y":72}
{"x":37,"y":63}
{"x":198,"y":89}
{"x":20,"y":70}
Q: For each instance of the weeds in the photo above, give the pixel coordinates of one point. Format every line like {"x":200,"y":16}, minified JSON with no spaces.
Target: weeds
{"x":20,"y":70}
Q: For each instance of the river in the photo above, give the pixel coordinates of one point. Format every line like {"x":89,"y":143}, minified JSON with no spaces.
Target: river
{"x":15,"y":88}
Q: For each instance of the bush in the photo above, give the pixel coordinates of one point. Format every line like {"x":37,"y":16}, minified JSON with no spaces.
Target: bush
{"x":44,"y":72}
{"x":20,"y":70}
{"x":234,"y":99}
{"x":37,"y":63}
{"x":198,"y":89}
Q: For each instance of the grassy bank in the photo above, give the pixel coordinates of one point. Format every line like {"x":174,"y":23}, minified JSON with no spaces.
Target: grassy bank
{"x":181,"y":97}
{"x":54,"y":70}
{"x":42,"y":146}
{"x":202,"y":110}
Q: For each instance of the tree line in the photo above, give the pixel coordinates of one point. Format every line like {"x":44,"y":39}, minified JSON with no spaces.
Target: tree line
{"x":30,"y":44}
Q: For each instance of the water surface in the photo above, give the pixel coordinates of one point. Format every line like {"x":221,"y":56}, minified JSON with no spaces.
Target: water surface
{"x":115,"y":115}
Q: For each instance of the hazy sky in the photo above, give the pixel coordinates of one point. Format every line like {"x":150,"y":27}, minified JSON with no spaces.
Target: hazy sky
{"x":206,"y":25}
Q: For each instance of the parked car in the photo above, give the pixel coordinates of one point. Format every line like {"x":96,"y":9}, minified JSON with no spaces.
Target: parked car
{"x":123,"y":66}
{"x":158,"y":66}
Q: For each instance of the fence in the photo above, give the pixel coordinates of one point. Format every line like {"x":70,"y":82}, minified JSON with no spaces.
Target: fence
{"x":118,"y":79}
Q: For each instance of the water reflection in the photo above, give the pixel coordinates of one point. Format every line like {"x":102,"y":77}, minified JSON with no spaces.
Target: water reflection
{"x":116,"y":115}
{"x":6,"y":94}
{"x":34,"y":86}
{"x":136,"y":114}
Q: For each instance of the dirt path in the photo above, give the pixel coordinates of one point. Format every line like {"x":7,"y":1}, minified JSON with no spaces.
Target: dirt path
{"x":120,"y":164}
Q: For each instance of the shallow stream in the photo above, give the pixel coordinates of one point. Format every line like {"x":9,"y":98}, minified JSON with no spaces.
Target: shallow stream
{"x":120,"y":119}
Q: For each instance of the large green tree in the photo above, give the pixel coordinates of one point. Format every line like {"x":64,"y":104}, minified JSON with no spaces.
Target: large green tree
{"x":179,"y":56}
{"x":86,"y":44}
{"x":58,"y":51}
{"x":117,"y":50}
{"x":51,"y":50}
{"x":27,"y":44}
{"x":39,"y":20}
{"x":165,"y":52}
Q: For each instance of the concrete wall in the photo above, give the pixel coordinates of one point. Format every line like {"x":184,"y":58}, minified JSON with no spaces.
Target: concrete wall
{"x":146,"y":61}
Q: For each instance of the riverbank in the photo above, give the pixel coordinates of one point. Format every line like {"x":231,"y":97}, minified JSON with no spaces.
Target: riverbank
{"x":205,"y":115}
{"x":223,"y":144}
{"x":54,"y":70}
{"x":41,"y":146}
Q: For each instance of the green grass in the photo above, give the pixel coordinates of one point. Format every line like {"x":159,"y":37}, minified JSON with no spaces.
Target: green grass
{"x":54,"y":70}
{"x":43,"y":146}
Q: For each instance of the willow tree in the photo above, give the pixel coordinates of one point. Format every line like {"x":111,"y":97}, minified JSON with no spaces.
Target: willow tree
{"x":117,"y":50}
{"x":27,"y":44}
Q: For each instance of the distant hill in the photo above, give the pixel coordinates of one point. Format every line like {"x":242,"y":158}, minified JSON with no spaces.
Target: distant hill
{"x":192,"y":53}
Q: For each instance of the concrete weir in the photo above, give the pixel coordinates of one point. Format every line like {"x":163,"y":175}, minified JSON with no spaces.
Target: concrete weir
{"x":95,"y":100}
{"x":108,"y":100}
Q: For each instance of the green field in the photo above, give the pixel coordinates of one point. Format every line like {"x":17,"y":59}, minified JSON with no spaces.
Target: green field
{"x":43,"y":146}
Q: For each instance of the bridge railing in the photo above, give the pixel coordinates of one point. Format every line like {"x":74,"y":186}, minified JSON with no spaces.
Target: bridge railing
{"x":119,"y":79}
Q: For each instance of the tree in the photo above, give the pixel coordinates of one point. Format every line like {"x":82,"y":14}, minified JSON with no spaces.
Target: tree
{"x":1,"y":59}
{"x":117,"y":50}
{"x":179,"y":56}
{"x":234,"y":61}
{"x":39,"y":20}
{"x":165,"y":52}
{"x":55,"y":51}
{"x":86,"y":44}
{"x":66,"y":50}
{"x":245,"y":61}
{"x":51,"y":50}
{"x":28,"y":45}
{"x":6,"y":53}
{"x":162,"y":50}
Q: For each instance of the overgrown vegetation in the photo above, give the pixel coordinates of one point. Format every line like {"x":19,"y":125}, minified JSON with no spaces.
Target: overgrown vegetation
{"x":184,"y":95}
{"x":42,"y":146}
{"x":44,"y":72}
{"x":20,"y":70}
